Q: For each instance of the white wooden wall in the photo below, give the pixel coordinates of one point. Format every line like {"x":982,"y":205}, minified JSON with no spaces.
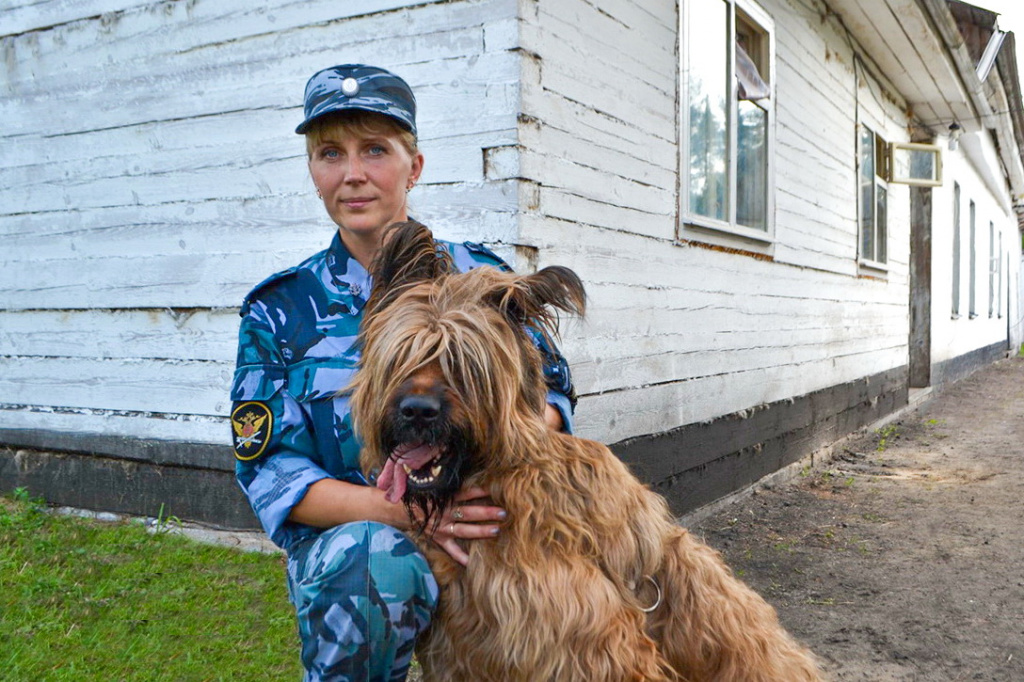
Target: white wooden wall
{"x":954,"y":337}
{"x":680,"y":334}
{"x":149,"y":176}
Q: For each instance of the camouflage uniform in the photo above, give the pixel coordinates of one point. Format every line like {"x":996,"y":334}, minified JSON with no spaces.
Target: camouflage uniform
{"x":362,"y":591}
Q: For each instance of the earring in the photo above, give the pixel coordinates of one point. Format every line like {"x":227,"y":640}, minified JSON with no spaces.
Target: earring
{"x":318,"y":195}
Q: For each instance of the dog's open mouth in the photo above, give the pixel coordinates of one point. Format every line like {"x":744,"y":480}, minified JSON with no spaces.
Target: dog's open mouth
{"x":411,"y":465}
{"x":424,"y":474}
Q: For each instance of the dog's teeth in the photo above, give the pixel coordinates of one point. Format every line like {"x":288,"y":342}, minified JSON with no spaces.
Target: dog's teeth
{"x":435,"y":471}
{"x":407,"y":468}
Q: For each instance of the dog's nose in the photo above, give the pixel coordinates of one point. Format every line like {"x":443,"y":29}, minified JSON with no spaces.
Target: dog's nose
{"x":423,"y":408}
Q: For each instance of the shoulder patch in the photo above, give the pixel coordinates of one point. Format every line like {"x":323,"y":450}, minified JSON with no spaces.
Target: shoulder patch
{"x":252,"y":423}
{"x":477,"y":248}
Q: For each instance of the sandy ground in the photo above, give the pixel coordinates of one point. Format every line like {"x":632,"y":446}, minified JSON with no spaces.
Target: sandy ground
{"x":902,"y":558}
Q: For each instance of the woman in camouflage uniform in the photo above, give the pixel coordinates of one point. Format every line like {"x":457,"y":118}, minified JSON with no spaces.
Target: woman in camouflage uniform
{"x":361,"y":590}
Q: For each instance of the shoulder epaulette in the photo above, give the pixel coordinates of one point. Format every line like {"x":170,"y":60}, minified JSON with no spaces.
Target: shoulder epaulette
{"x":481,"y":249}
{"x":273,"y":279}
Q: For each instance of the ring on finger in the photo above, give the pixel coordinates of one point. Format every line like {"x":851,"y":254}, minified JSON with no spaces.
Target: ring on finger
{"x":451,"y":529}
{"x":457,"y":514}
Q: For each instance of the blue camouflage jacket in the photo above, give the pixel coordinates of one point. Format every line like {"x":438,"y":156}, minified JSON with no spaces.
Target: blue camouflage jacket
{"x":296,"y":354}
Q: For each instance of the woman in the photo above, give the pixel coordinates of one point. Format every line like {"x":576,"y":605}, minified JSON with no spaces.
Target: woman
{"x":361,"y":590}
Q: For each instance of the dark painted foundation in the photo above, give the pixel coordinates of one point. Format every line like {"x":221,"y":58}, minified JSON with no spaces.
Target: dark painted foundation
{"x":963,"y":366}
{"x":699,"y":463}
{"x":131,"y":486}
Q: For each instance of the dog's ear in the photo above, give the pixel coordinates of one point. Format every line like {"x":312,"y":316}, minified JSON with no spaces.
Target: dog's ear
{"x":535,"y":298}
{"x":409,"y":255}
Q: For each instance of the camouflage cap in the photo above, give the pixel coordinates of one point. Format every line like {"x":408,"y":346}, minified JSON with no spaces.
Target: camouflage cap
{"x":362,"y":87}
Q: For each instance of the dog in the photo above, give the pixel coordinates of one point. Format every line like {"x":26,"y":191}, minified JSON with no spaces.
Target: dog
{"x":590,"y":579}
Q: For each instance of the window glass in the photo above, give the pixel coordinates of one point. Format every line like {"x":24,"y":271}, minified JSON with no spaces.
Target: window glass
{"x":708,"y":61}
{"x":874,"y":211}
{"x":752,"y":166}
{"x":956,"y":250}
{"x":867,"y":192}
{"x":991,"y":268}
{"x":999,"y":283}
{"x":751,"y":60}
{"x":728,"y":117}
{"x":881,"y":218}
{"x":972,"y":266}
{"x":881,"y":158}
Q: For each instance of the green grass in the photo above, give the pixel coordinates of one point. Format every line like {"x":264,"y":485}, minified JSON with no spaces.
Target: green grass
{"x":86,"y":600}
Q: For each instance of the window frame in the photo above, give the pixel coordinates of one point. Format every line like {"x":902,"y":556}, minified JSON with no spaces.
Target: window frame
{"x":957,"y":241}
{"x":999,"y":283}
{"x":880,"y":157}
{"x":897,"y":152}
{"x":991,"y":269}
{"x":730,"y":232}
{"x":972,"y":266}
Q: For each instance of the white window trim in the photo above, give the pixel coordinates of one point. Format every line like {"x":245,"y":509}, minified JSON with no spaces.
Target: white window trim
{"x":709,"y":230}
{"x":867,"y":265}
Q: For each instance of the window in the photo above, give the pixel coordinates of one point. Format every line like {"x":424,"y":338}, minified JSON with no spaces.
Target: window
{"x":912,"y":163}
{"x":973,"y":265}
{"x":956,"y":250}
{"x":999,"y":283}
{"x":727,"y":117}
{"x":991,"y":268}
{"x":873,"y":162}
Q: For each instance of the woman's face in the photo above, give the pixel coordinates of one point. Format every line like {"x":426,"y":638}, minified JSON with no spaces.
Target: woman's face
{"x":363,"y":177}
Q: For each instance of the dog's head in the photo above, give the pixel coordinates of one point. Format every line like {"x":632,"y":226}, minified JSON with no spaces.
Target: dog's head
{"x":450,"y":379}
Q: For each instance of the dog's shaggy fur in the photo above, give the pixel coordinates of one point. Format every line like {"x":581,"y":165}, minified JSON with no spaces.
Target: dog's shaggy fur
{"x":564,"y":591}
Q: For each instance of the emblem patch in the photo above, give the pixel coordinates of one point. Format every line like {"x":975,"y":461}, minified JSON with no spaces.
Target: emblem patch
{"x":252,"y":423}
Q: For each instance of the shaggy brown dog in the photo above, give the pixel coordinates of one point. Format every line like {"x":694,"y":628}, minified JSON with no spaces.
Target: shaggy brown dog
{"x":589,"y":580}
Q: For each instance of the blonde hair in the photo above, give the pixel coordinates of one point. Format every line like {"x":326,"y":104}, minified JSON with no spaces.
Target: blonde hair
{"x":357,"y":123}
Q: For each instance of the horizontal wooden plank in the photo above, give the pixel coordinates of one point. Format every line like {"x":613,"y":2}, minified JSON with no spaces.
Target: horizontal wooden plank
{"x":598,"y":39}
{"x":233,"y":140}
{"x":615,"y":416}
{"x":157,"y":451}
{"x":21,"y":16}
{"x":705,"y":302}
{"x":617,"y":372}
{"x":821,"y":58}
{"x":179,"y":33}
{"x":134,"y":384}
{"x":167,"y":265}
{"x":127,"y":424}
{"x":625,"y":99}
{"x":626,"y":135}
{"x":563,"y":205}
{"x":601,"y":255}
{"x":654,"y":165}
{"x":253,"y":151}
{"x":598,"y":184}
{"x":161,"y":334}
{"x":657,"y":20}
{"x":468,"y":95}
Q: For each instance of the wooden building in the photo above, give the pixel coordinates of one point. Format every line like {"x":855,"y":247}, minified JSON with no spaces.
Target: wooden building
{"x":729,"y":177}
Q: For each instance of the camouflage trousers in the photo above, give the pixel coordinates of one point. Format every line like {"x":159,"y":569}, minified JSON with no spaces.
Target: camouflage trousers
{"x":362,"y":593}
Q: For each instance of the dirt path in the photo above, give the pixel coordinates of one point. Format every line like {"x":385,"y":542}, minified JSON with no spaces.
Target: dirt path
{"x":904,"y":559}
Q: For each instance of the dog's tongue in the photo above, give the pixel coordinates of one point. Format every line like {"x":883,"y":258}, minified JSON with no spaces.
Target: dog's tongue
{"x":393,"y":478}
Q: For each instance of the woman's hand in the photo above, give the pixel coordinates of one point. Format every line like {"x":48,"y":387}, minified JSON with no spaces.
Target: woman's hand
{"x":467,"y":521}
